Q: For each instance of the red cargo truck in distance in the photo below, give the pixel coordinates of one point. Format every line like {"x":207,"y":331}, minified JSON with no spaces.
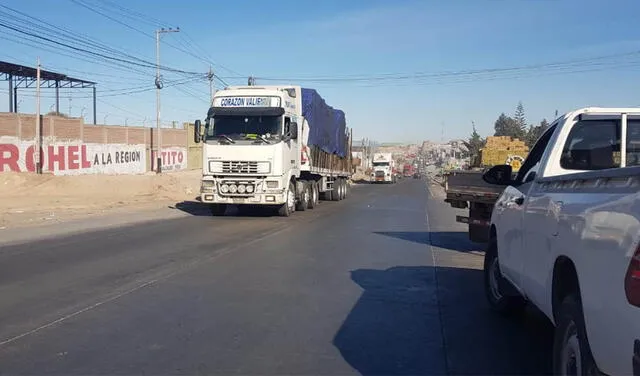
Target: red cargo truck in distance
{"x":407,"y":170}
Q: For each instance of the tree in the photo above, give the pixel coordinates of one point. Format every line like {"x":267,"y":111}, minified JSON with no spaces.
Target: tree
{"x":535,"y":132}
{"x":507,"y":126}
{"x":475,"y":143}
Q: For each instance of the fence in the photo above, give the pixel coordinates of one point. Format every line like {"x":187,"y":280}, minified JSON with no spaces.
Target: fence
{"x":68,"y":146}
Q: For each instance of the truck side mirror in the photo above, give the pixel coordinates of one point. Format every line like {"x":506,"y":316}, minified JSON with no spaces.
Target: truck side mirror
{"x":196,"y":131}
{"x":498,"y":175}
{"x":293,"y":130}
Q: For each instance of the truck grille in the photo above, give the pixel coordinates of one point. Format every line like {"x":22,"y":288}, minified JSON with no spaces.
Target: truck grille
{"x":237,"y":167}
{"x":380,"y":174}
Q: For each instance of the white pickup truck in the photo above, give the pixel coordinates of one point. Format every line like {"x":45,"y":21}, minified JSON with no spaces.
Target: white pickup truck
{"x":565,"y":234}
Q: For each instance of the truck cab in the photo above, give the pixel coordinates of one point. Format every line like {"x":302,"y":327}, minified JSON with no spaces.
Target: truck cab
{"x":279,"y":146}
{"x":383,"y":168}
{"x":251,"y":146}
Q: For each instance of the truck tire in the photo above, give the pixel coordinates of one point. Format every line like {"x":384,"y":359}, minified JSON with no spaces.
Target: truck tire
{"x":571,"y":350}
{"x":217,"y":210}
{"x":313,"y":202}
{"x":495,"y":285}
{"x":305,"y":195}
{"x":286,"y":209}
{"x":335,"y":193}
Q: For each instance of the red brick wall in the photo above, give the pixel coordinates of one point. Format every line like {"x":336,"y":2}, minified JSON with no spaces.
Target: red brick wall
{"x":23,"y":126}
{"x":64,"y":129}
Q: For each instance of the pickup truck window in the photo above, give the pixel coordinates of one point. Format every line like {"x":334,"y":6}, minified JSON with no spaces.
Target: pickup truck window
{"x":633,"y":143}
{"x":592,"y":145}
{"x":530,"y":167}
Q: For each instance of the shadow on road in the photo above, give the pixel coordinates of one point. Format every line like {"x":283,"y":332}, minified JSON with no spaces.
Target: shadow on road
{"x":453,"y":240}
{"x":197,"y":208}
{"x":403,"y":324}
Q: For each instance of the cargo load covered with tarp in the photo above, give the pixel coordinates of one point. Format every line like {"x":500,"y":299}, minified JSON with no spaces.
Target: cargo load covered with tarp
{"x":327,"y":126}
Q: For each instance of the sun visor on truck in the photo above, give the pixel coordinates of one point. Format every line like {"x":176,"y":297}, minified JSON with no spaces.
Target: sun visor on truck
{"x":245,"y":111}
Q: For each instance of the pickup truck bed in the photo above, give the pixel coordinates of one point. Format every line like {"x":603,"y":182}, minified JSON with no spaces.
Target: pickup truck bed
{"x":468,"y":186}
{"x":466,"y":189}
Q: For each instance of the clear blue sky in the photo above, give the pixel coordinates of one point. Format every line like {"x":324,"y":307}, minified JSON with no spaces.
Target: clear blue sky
{"x":295,"y":39}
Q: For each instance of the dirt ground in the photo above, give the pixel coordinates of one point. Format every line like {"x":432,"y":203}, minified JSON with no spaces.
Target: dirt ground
{"x":29,"y":198}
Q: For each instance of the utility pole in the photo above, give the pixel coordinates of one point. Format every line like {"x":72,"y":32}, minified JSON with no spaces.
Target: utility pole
{"x":158,"y":88}
{"x":210,"y":77}
{"x":38,"y":122}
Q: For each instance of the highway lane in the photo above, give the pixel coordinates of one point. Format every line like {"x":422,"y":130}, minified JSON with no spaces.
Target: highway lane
{"x":384,"y":282}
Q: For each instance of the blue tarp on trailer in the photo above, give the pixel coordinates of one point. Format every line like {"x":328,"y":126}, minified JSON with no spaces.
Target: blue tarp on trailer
{"x":327,"y":125}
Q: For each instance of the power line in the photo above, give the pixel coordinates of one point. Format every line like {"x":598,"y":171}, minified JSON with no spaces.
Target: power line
{"x":140,"y":17}
{"x":106,"y":54}
{"x":428,"y":75}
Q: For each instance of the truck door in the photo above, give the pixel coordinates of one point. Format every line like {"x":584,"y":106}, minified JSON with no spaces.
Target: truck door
{"x":291,"y":154}
{"x":536,"y":226}
{"x":514,"y":228}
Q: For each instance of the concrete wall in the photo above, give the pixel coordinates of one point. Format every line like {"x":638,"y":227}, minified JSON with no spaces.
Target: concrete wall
{"x":18,"y":131}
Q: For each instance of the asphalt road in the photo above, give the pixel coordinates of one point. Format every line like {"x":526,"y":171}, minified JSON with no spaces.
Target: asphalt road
{"x":384,"y":282}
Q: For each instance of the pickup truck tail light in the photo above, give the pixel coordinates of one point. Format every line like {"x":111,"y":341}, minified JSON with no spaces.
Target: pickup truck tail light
{"x":632,"y":280}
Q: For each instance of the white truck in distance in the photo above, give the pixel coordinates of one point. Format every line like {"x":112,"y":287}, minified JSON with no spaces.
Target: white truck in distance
{"x":565,"y":236}
{"x":382,"y":171}
{"x":279,"y":146}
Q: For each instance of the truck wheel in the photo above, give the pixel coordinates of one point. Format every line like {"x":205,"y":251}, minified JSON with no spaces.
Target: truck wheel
{"x":313,"y":202}
{"x":495,"y":285}
{"x":289,"y":206}
{"x":346,"y":188}
{"x":571,"y":352}
{"x":305,"y":197}
{"x":217,"y":210}
{"x":335,"y":193}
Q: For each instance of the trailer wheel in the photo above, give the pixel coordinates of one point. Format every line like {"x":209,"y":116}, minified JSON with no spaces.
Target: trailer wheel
{"x":335,"y":192}
{"x":313,"y":202}
{"x":305,"y":197}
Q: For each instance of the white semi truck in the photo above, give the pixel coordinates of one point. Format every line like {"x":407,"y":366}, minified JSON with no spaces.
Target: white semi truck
{"x":383,"y":168}
{"x":279,"y":146}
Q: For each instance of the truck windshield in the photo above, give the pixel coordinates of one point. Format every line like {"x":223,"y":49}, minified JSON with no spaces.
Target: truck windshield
{"x":380,"y":164}
{"x":245,"y":127}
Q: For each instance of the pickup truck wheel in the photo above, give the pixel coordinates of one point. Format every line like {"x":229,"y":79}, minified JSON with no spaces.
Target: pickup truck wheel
{"x":217,"y":210}
{"x":494,"y":285}
{"x":571,"y":352}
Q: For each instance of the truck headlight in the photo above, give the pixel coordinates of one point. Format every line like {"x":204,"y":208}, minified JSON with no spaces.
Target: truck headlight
{"x":224,"y":188}
{"x":233,"y":188}
{"x":249,"y":188}
{"x":241,"y":188}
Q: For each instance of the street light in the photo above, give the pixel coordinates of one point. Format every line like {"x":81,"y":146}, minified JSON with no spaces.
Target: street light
{"x":158,"y":87}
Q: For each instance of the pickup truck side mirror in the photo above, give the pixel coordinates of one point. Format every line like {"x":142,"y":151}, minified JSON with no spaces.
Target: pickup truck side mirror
{"x":498,"y":175}
{"x":293,"y":130}
{"x":196,"y":131}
